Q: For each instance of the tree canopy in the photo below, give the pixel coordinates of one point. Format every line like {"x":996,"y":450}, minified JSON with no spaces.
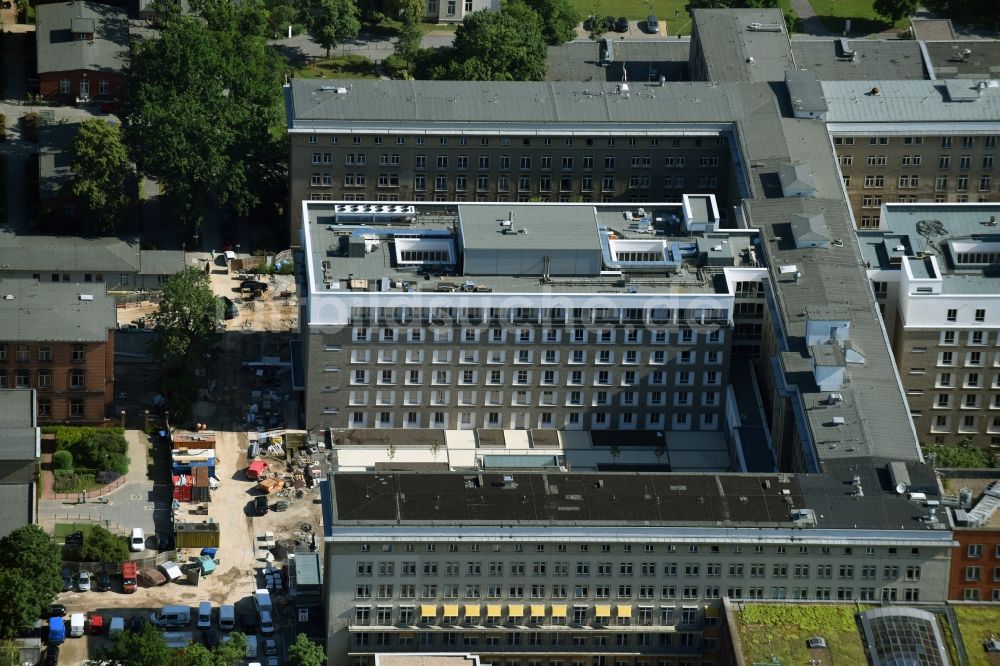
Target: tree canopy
{"x":334,"y":21}
{"x":559,"y":19}
{"x":148,"y":648}
{"x":491,"y":46}
{"x":188,"y":312}
{"x":895,"y":9}
{"x":30,"y":567}
{"x":203,"y":97}
{"x":100,"y":175}
{"x":303,"y":652}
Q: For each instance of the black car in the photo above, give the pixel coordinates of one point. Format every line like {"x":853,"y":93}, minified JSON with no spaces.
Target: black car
{"x":609,"y":22}
{"x":55,"y":610}
{"x":67,"y":581}
{"x":255,"y":286}
{"x":621,"y":25}
{"x":164,"y":541}
{"x":74,"y":539}
{"x":102,"y":583}
{"x":589,"y":23}
{"x":52,"y":655}
{"x":137,"y":623}
{"x":260,"y":505}
{"x":248,"y":622}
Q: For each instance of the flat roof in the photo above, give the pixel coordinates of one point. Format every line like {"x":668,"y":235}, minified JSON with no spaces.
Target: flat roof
{"x":907,"y":101}
{"x":18,"y":501}
{"x":569,"y":227}
{"x":875,"y":59}
{"x":639,"y":59}
{"x":58,"y":254}
{"x":622,"y":499}
{"x":18,"y":431}
{"x":732,"y":51}
{"x":950,"y":60}
{"x":54,"y":311}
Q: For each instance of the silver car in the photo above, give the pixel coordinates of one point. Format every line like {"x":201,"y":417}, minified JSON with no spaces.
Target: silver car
{"x":652,"y":24}
{"x":83,"y":581}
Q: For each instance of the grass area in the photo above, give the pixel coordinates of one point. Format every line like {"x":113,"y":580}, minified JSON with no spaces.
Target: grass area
{"x":339,"y":67}
{"x":864,"y":20}
{"x":63,"y":529}
{"x":781,"y":630}
{"x":977,"y":623}
{"x":671,"y":13}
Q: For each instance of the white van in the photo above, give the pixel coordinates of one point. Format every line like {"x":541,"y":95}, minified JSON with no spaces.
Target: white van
{"x":171,"y":616}
{"x":137,"y":540}
{"x":205,"y":615}
{"x":227,"y":617}
{"x":77,"y":621}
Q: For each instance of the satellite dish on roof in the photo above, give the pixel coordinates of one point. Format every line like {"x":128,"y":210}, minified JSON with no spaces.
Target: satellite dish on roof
{"x":900,"y":488}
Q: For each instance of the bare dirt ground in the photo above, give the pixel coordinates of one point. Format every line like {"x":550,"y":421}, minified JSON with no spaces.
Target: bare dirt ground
{"x":237,"y":574}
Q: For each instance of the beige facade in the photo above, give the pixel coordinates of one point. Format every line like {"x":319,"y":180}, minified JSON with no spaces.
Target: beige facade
{"x":455,"y":11}
{"x":941,"y":167}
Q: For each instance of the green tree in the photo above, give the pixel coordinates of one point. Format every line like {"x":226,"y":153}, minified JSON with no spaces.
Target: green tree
{"x":203,"y":98}
{"x":559,"y":19}
{"x":137,"y":648}
{"x":230,"y":652}
{"x":188,"y":312}
{"x":303,"y":652}
{"x":962,"y":455}
{"x":100,"y":176}
{"x":335,"y":21}
{"x":102,"y":450}
{"x":895,"y":10}
{"x":30,"y":566}
{"x":498,"y":46}
{"x":99,"y":545}
{"x":62,"y":460}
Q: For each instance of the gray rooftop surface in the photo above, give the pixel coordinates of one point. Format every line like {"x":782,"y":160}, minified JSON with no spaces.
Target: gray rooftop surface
{"x":557,"y":226}
{"x":43,"y":254}
{"x":55,"y":159}
{"x":18,"y":502}
{"x":161,"y":262}
{"x":949,"y":61}
{"x":898,"y":59}
{"x":423,"y":106}
{"x":906,"y":101}
{"x":54,"y":312}
{"x":904,"y":224}
{"x":59,"y":51}
{"x":18,"y":434}
{"x":643,"y":61}
{"x":380,"y":262}
{"x":733,"y":52}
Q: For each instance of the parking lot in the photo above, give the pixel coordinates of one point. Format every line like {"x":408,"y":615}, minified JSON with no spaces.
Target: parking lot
{"x":237,"y":575}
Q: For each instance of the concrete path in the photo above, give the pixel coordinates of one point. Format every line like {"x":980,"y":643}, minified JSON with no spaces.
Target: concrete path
{"x":810,"y":23}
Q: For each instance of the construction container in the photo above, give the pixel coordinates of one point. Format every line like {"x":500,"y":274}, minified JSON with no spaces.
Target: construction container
{"x":197,"y":535}
{"x":199,"y":491}
{"x":182,"y":487}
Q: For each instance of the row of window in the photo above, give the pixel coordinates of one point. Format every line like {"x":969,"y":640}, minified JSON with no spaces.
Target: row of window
{"x":387,"y":377}
{"x":545,"y":399}
{"x":527,"y":357}
{"x":944,"y":161}
{"x":406,"y":643}
{"x":103,"y":87}
{"x":524,"y":420}
{"x":876,"y":200}
{"x":524,"y":162}
{"x":503,"y":183}
{"x":912,"y":181}
{"x":23,"y":352}
{"x":21,"y":378}
{"x":602,"y":592}
{"x":968,"y":424}
{"x":691,"y":549}
{"x":946,"y":141}
{"x":606,"y":336}
{"x":566,"y":142}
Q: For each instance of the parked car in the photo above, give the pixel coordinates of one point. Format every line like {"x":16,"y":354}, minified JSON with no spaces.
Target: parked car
{"x":55,"y":610}
{"x":116,"y":627}
{"x":609,"y":22}
{"x":621,"y":25}
{"x":103,"y":582}
{"x":652,"y":24}
{"x":137,"y":623}
{"x":67,"y":581}
{"x":590,"y":22}
{"x":254,"y":285}
{"x":270,"y":646}
{"x":83,"y":581}
{"x":52,"y":655}
{"x":260,"y":505}
{"x":137,"y":540}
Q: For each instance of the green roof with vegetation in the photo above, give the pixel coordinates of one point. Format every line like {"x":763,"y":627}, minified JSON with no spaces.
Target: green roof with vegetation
{"x":781,"y":630}
{"x":977,"y":624}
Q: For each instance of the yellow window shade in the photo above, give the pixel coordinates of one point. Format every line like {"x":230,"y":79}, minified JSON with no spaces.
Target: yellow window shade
{"x":451,"y":610}
{"x":472,"y":610}
{"x":711,"y":611}
{"x":515,"y":610}
{"x":559,"y":611}
{"x":603,"y":611}
{"x":624,"y":610}
{"x":537,"y":610}
{"x":407,"y":634}
{"x":428,"y":610}
{"x":493,"y":610}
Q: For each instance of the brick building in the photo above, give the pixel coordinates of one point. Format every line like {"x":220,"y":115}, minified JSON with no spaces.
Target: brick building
{"x":82,"y":48}
{"x":58,"y":339}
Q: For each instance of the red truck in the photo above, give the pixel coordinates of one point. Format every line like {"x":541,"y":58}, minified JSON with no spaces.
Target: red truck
{"x":129,"y":571}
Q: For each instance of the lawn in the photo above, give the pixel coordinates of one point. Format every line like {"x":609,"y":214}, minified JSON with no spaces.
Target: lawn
{"x":671,"y":13}
{"x":864,"y":20}
{"x":977,"y":623}
{"x":339,"y":67}
{"x":781,"y":630}
{"x":64,"y":529}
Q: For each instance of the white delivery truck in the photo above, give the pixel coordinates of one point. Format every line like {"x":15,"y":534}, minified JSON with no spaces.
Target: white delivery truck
{"x":77,"y":622}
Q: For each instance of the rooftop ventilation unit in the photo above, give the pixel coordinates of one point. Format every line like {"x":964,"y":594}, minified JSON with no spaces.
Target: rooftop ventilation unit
{"x":86,"y":297}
